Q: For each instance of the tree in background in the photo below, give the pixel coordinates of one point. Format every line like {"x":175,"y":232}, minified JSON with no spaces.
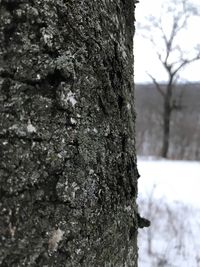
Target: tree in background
{"x":167,"y":34}
{"x":68,"y":169}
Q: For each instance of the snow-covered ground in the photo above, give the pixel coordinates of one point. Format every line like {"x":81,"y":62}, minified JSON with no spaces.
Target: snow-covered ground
{"x":169,"y":195}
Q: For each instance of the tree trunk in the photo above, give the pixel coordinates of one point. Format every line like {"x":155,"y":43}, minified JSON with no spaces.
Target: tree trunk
{"x":68,"y":165}
{"x":166,"y":121}
{"x":166,"y":130}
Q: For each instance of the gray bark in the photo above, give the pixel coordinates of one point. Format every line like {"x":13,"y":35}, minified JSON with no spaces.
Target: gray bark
{"x":68,"y":174}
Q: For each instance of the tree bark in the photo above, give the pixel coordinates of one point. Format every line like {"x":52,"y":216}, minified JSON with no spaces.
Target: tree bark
{"x":67,"y":140}
{"x":166,"y":119}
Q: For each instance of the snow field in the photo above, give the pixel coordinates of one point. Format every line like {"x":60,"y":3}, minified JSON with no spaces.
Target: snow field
{"x":169,"y":195}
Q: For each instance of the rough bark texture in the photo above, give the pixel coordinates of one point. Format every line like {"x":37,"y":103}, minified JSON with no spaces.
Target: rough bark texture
{"x":68,"y":167}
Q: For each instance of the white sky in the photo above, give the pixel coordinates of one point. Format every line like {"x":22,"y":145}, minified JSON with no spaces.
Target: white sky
{"x":145,"y":56}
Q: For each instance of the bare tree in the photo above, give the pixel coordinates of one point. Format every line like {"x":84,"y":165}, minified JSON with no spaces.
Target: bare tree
{"x":165,"y":33}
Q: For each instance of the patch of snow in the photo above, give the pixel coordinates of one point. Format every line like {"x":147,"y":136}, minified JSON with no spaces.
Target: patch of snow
{"x":74,"y":184}
{"x":5,"y":143}
{"x":56,"y":237}
{"x":13,"y":127}
{"x":91,"y":171}
{"x":30,"y":127}
{"x":124,"y":55}
{"x":127,"y":208}
{"x":78,"y":251}
{"x":47,"y":38}
{"x":128,"y":106}
{"x":73,"y":121}
{"x":59,"y":155}
{"x":71,"y":98}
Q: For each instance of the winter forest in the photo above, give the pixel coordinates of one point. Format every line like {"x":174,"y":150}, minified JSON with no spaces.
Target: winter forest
{"x":167,"y":94}
{"x":99,"y":133}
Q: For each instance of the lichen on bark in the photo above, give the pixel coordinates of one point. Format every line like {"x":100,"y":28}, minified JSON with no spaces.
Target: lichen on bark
{"x":68,"y":164}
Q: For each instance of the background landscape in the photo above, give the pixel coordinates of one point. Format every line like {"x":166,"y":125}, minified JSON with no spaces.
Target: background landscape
{"x":185,"y":121}
{"x":167,"y":60}
{"x":169,"y":188}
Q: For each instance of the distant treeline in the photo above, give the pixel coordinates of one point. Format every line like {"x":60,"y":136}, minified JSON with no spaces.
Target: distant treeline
{"x":184,"y":126}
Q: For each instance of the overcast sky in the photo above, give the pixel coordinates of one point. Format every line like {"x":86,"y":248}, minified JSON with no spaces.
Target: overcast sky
{"x":145,"y":55}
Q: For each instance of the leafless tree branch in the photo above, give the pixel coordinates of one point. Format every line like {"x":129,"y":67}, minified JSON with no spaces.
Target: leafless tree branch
{"x":157,"y":85}
{"x":184,"y":63}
